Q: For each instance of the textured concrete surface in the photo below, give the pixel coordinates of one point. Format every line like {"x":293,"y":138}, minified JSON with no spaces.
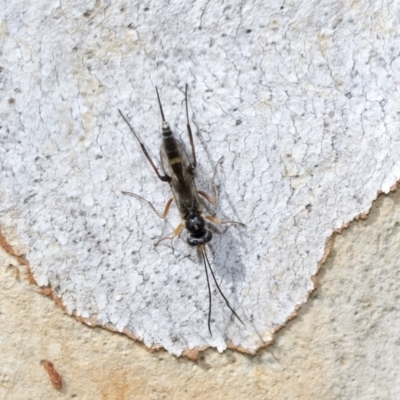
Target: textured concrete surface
{"x":301,"y":98}
{"x":344,"y":343}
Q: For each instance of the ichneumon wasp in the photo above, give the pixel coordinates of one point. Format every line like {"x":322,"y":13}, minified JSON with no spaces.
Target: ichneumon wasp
{"x":179,"y":173}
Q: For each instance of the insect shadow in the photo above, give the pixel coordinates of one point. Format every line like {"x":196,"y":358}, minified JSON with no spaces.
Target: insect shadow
{"x":178,"y":171}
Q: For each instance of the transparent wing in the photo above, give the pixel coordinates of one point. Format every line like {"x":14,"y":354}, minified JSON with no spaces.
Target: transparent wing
{"x":166,"y":162}
{"x":182,"y":182}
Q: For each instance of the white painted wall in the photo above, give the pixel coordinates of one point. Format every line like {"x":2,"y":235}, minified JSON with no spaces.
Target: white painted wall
{"x":301,"y":99}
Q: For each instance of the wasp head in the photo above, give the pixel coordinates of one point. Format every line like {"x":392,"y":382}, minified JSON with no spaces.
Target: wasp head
{"x":196,"y":226}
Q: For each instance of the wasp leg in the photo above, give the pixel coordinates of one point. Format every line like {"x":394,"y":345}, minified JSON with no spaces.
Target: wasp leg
{"x":166,"y":208}
{"x":176,"y":233}
{"x":164,"y":178}
{"x":194,"y":163}
{"x":208,"y":197}
{"x":213,"y":201}
{"x":219,"y":222}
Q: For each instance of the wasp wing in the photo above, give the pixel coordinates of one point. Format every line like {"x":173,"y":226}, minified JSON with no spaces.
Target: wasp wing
{"x":175,"y":163}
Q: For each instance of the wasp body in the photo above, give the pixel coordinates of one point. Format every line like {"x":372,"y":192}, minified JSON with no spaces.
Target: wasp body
{"x":179,"y":173}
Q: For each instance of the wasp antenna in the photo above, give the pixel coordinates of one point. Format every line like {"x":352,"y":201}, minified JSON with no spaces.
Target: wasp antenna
{"x":202,"y":250}
{"x":159,"y":103}
{"x":216,"y":283}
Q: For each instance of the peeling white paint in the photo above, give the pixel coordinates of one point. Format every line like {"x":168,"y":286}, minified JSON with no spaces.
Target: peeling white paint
{"x":301,"y":100}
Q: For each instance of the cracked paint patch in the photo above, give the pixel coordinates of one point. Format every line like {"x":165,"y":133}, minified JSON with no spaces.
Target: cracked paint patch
{"x":314,"y":87}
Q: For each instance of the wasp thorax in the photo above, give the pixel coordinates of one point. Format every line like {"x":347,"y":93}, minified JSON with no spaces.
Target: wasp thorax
{"x":198,"y":234}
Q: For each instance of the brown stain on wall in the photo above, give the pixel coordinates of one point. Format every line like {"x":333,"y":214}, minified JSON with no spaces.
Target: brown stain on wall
{"x":54,"y":376}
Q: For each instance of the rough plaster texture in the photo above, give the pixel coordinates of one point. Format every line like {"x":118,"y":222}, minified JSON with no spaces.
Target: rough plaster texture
{"x":344,"y":343}
{"x":300,"y":98}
